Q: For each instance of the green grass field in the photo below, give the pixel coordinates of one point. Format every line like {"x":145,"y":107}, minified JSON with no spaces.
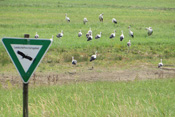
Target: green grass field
{"x":137,"y":98}
{"x":47,"y":18}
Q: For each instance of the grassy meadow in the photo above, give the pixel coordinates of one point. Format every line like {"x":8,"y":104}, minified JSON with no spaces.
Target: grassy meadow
{"x":96,"y":99}
{"x":47,"y":18}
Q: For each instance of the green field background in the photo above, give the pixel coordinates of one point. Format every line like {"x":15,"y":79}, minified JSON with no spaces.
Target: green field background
{"x":47,"y":18}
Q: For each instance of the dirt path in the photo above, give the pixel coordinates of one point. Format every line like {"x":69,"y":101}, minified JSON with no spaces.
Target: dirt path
{"x":87,"y":75}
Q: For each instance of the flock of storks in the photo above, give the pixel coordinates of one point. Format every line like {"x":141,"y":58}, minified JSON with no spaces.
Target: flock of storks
{"x":98,"y":36}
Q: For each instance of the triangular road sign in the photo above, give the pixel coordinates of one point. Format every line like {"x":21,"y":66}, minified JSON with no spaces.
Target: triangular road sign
{"x":26,"y":54}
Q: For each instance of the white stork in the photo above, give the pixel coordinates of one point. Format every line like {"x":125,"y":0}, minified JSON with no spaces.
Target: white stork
{"x":93,"y":57}
{"x":160,"y":64}
{"x":60,"y":34}
{"x":90,"y":37}
{"x":74,"y":62}
{"x":67,"y":18}
{"x":90,"y":31}
{"x":85,"y":20}
{"x":98,"y":36}
{"x":79,"y":33}
{"x":36,"y":36}
{"x":87,"y":35}
{"x":101,"y":17}
{"x":130,"y":32}
{"x":121,"y":36}
{"x":112,"y":35}
{"x":150,"y":31}
{"x":114,"y":20}
{"x":129,"y":43}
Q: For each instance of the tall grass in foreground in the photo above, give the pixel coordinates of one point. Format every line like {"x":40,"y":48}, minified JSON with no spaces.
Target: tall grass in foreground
{"x":137,"y":98}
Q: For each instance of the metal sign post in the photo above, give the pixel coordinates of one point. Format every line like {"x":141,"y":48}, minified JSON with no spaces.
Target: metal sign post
{"x":25,"y":92}
{"x":25,"y":100}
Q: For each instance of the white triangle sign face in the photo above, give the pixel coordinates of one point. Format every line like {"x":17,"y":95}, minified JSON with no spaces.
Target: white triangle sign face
{"x":26,"y":54}
{"x":26,"y":50}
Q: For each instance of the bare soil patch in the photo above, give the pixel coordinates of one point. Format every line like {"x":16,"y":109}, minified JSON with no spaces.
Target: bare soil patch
{"x":89,"y":75}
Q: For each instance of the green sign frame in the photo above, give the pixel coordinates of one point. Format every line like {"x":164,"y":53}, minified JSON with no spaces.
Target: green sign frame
{"x":45,"y":43}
